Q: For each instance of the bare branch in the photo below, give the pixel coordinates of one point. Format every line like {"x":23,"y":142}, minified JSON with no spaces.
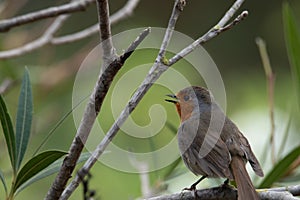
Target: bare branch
{"x":109,"y":53}
{"x":134,"y":45}
{"x":227,"y":193}
{"x":224,"y":193}
{"x":48,"y":35}
{"x":111,"y":65}
{"x":38,"y":43}
{"x":211,"y":33}
{"x":76,"y":36}
{"x":80,"y":5}
{"x":229,"y":14}
{"x":91,"y":111}
{"x":294,"y":189}
{"x":124,"y":12}
{"x":177,"y":9}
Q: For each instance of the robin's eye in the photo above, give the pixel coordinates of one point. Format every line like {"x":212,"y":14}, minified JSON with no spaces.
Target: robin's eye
{"x":186,"y":98}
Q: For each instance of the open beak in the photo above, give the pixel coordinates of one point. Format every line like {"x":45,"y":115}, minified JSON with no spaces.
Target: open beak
{"x":174,"y":100}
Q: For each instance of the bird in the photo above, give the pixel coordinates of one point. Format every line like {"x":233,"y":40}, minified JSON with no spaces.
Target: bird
{"x":210,"y":144}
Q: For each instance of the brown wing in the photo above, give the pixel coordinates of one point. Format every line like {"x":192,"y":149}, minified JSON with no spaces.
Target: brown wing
{"x":203,"y":152}
{"x":238,"y":144}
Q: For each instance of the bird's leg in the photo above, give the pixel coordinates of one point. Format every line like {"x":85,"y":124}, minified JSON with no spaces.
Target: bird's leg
{"x":226,"y":182}
{"x":193,"y":187}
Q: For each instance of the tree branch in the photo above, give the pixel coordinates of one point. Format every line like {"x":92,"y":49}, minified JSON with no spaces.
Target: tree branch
{"x":155,"y":72}
{"x":38,"y":43}
{"x":105,"y":32}
{"x":124,"y":12}
{"x":212,"y":32}
{"x":91,"y":111}
{"x":80,"y":5}
{"x":229,"y":193}
{"x":111,"y":65}
{"x":48,"y":38}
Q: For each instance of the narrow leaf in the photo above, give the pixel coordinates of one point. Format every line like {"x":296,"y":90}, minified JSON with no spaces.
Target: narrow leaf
{"x":8,"y":132}
{"x":51,"y":169}
{"x":280,"y":168}
{"x":2,"y":178}
{"x":24,"y":118}
{"x":35,"y":165}
{"x":292,"y":39}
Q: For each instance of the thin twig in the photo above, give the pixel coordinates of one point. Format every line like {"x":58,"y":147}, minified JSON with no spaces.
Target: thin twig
{"x":177,"y":9}
{"x":124,"y":12}
{"x":48,"y":38}
{"x":210,"y":34}
{"x":229,"y":14}
{"x":38,"y":43}
{"x":155,"y":72}
{"x":80,"y":5}
{"x":271,"y":81}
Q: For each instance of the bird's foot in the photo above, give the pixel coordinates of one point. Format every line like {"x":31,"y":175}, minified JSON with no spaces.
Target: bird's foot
{"x":226,"y":184}
{"x":192,"y":188}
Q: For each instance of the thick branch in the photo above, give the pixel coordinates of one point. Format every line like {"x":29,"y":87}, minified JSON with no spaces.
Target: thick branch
{"x":80,"y":5}
{"x":92,"y":109}
{"x":294,"y":190}
{"x":227,"y":193}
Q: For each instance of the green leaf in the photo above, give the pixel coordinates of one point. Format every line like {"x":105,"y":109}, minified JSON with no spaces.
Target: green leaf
{"x":2,"y":178}
{"x":24,"y":118}
{"x":51,"y":169}
{"x":292,"y":39}
{"x":8,"y":132}
{"x":35,"y":165}
{"x":280,"y":168}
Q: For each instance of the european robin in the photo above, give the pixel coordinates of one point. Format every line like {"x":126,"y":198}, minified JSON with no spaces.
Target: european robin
{"x":210,"y":144}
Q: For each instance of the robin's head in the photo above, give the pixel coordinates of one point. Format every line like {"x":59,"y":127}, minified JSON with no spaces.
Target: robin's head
{"x":190,"y":100}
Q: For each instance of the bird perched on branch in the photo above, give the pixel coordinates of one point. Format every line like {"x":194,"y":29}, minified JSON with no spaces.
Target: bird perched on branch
{"x":210,"y":144}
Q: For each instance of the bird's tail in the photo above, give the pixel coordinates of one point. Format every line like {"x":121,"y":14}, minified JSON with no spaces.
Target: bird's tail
{"x":246,"y":190}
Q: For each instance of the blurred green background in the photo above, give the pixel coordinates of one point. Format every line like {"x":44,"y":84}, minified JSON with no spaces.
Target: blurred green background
{"x":53,"y":70}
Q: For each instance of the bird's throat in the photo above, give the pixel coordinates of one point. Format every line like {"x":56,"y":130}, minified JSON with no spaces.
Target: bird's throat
{"x":178,"y":109}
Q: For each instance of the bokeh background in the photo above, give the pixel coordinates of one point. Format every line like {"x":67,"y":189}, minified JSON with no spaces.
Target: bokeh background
{"x":53,"y":70}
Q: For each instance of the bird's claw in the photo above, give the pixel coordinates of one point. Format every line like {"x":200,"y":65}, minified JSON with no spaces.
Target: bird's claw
{"x":192,"y":188}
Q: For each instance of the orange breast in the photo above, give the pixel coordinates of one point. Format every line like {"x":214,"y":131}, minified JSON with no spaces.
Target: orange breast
{"x":178,"y":109}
